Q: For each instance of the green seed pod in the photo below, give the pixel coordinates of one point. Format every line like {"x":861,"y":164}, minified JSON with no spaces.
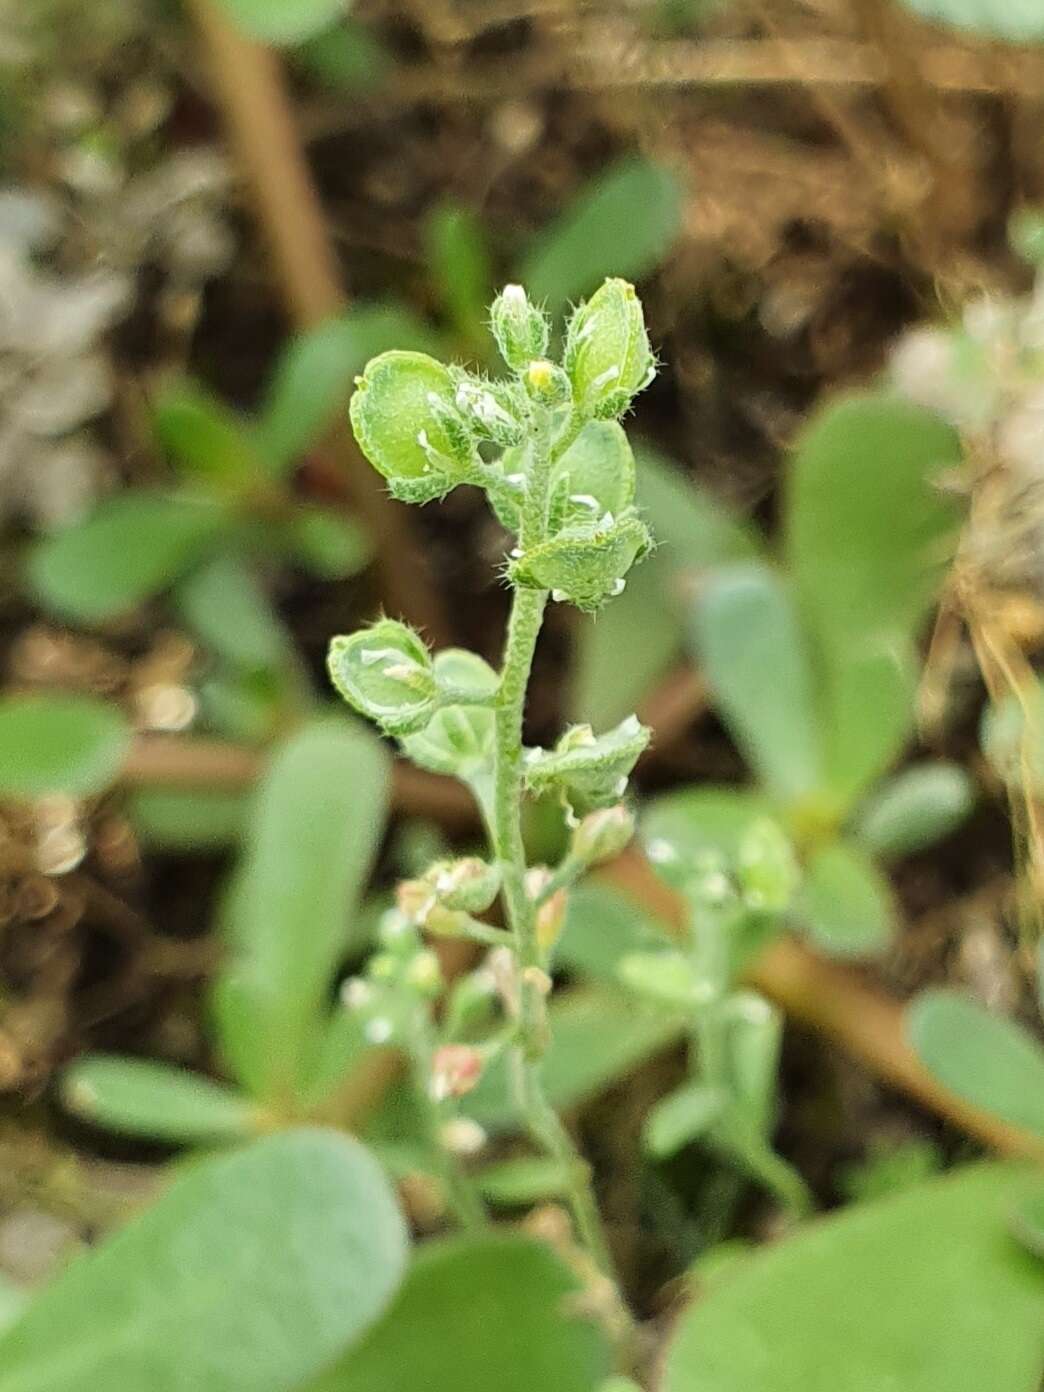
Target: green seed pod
{"x":602,"y":835}
{"x":406,"y":421}
{"x":385,"y":672}
{"x":522,"y":331}
{"x":584,"y":563}
{"x":599,"y":471}
{"x":608,"y":356}
{"x":591,"y":772}
{"x":468,"y":884}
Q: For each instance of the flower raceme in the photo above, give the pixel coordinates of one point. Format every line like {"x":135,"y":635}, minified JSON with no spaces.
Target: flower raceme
{"x":427,"y":428}
{"x":546,"y":446}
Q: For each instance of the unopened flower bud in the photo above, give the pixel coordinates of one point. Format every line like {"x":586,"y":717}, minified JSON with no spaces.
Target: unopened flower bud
{"x":602,"y":835}
{"x":462,"y":1136}
{"x":608,"y":356}
{"x":521,"y":329}
{"x":550,"y":919}
{"x":469,"y":884}
{"x":405,"y":418}
{"x":455,"y":1071}
{"x":547,"y":383}
{"x":385,"y":672}
{"x":424,"y":973}
{"x":415,"y":899}
{"x":489,"y":417}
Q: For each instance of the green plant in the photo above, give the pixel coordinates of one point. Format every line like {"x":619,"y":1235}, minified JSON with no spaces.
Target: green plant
{"x":860,"y":1297}
{"x":546,"y":448}
{"x":811,"y":665}
{"x":812,"y":668}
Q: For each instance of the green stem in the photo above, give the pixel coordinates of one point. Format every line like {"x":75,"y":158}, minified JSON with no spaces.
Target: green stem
{"x":543,"y":1123}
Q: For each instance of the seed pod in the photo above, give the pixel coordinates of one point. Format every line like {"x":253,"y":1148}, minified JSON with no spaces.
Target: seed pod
{"x":385,"y":672}
{"x":522,"y":331}
{"x":584,"y":563}
{"x":608,"y":356}
{"x":602,"y":835}
{"x":406,"y":421}
{"x":590,"y":772}
{"x":468,"y":883}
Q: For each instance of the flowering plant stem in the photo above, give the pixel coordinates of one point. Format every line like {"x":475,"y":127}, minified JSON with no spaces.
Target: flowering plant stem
{"x":544,"y":1125}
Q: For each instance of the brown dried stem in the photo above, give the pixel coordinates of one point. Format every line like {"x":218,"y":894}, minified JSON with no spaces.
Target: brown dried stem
{"x":251,"y":88}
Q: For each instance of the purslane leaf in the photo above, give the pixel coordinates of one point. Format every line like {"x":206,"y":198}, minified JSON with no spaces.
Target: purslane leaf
{"x":924,"y":1291}
{"x":59,"y":744}
{"x":751,"y":646}
{"x":988,"y":1060}
{"x":128,"y":549}
{"x":142,"y":1098}
{"x":474,"y":1311}
{"x":249,"y":1274}
{"x":317,"y":820}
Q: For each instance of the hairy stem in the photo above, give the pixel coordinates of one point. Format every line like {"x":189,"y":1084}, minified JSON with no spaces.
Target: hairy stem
{"x":527,"y":612}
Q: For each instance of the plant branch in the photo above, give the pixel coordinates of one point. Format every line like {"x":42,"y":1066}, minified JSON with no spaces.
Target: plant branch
{"x":832,"y":1000}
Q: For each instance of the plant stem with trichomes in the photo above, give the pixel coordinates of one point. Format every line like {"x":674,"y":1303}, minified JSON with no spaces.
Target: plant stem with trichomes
{"x":527,"y":614}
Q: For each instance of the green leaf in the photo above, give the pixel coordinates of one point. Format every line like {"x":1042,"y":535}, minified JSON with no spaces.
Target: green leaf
{"x":666,"y":976}
{"x":141,"y":1098}
{"x":679,"y":829}
{"x":1012,"y":737}
{"x":915,"y":809}
{"x":845,"y":904}
{"x":682,"y":1116}
{"x":225,"y":607}
{"x":461,"y":266}
{"x":328,"y":544}
{"x":869,"y":712}
{"x":348,"y":58}
{"x":922,"y":1292}
{"x":59,"y":744}
{"x":1028,"y":1222}
{"x":524,"y":1181}
{"x":752,"y":648}
{"x":187,"y":819}
{"x":316,"y":823}
{"x":12,"y":1302}
{"x":989,"y":1061}
{"x":598,"y":1034}
{"x":621,"y":224}
{"x":313,"y":379}
{"x":473,"y":1313}
{"x":130,"y":547}
{"x":284,"y":21}
{"x":602,"y":926}
{"x":251,"y":1272}
{"x":209,"y":443}
{"x":869,"y":529}
{"x":692,"y":532}
{"x":1019,"y":21}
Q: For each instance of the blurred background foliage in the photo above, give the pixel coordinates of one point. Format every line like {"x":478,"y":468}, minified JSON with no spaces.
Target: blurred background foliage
{"x":211,"y":217}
